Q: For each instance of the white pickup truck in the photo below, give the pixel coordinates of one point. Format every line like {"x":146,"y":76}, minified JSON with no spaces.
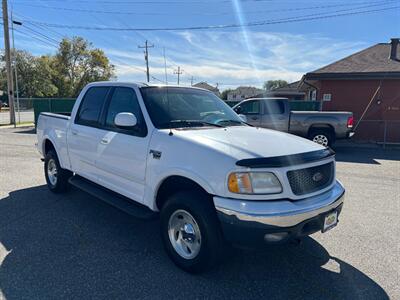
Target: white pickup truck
{"x":183,"y":154}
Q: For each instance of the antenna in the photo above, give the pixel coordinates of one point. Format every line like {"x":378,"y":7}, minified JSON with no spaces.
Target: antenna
{"x":165,"y":67}
{"x":169,"y":113}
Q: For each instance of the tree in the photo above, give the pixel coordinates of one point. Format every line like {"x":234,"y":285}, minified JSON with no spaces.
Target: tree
{"x":224,"y":94}
{"x":77,"y":64}
{"x":274,"y":84}
{"x":34,"y":75}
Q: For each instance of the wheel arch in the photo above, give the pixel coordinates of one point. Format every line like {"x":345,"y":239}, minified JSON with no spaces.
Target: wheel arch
{"x":47,"y":146}
{"x":174,"y":183}
{"x":322,"y":126}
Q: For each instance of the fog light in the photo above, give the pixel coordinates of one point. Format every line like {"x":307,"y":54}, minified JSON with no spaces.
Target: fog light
{"x":275,"y":237}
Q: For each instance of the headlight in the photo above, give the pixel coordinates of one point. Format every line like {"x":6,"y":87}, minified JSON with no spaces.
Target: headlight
{"x":254,"y":183}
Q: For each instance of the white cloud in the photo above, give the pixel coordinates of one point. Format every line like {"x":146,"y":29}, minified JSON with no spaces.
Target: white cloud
{"x":223,"y":57}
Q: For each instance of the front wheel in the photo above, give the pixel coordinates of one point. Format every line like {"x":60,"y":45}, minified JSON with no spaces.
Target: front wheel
{"x":56,"y":177}
{"x":191,"y":232}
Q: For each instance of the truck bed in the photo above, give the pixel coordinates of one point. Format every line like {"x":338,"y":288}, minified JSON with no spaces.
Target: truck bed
{"x":301,"y":122}
{"x":322,"y":113}
{"x":54,"y":127}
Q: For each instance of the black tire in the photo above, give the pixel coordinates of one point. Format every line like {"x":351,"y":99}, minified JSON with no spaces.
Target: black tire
{"x":203,"y":212}
{"x":321,"y":135}
{"x":60,"y":185}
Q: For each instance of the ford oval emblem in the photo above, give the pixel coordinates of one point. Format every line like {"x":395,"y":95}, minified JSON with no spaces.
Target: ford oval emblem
{"x":317,"y":177}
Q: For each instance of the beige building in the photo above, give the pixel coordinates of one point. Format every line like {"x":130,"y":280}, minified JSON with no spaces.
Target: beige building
{"x":205,"y":85}
{"x":243,"y":92}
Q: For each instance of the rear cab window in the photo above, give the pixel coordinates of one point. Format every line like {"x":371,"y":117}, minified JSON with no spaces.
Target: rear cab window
{"x":274,"y":107}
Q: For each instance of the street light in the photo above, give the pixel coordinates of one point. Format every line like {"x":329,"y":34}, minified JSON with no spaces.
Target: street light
{"x":15,"y":63}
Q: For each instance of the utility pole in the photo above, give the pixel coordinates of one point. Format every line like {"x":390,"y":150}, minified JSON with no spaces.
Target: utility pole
{"x":10,"y":83}
{"x":191,"y":81}
{"x":15,"y":64}
{"x":178,"y":72}
{"x":146,"y":57}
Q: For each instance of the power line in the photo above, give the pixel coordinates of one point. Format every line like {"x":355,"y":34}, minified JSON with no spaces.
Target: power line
{"x":107,"y":41}
{"x":123,"y":63}
{"x":37,"y":38}
{"x":225,"y":26}
{"x":173,"y":63}
{"x":147,"y":2}
{"x":374,"y":3}
{"x":40,"y":27}
{"x":155,"y":78}
{"x":41,"y":34}
{"x":120,"y":62}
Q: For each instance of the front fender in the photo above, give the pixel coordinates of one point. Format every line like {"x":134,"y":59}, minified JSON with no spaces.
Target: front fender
{"x":157,"y":179}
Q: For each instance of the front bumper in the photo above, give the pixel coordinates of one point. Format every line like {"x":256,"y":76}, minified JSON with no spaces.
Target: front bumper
{"x":248,"y":222}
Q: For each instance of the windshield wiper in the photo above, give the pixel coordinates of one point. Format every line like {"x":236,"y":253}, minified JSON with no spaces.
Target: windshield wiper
{"x":234,"y":121}
{"x":190,"y":123}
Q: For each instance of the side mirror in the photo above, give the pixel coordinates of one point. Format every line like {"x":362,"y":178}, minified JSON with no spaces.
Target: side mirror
{"x":125,"y":119}
{"x":243,"y":117}
{"x":238,"y":109}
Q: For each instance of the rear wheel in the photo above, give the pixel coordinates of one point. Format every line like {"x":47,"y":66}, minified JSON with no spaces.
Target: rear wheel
{"x":191,"y":231}
{"x":323,"y":137}
{"x":56,"y":177}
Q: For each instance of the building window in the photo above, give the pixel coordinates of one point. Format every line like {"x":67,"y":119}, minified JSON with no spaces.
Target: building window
{"x":327,"y":97}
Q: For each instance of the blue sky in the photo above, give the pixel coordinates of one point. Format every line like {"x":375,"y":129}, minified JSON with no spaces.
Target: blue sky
{"x":230,"y":56}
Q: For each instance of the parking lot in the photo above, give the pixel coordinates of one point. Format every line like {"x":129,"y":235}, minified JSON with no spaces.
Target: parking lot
{"x":21,"y":117}
{"x":75,"y":246}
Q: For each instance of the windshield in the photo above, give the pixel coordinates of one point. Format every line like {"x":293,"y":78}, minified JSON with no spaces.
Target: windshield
{"x":173,"y":107}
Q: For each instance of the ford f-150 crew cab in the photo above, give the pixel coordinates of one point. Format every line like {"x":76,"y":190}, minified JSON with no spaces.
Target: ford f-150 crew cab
{"x":184,"y":155}
{"x":274,"y":113}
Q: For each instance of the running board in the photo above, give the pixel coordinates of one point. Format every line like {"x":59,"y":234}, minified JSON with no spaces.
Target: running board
{"x":123,"y":203}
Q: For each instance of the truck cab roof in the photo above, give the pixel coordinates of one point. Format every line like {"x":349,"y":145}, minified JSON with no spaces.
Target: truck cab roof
{"x":140,"y":84}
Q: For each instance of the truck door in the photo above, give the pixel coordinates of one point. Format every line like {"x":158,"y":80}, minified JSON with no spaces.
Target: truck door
{"x":122,"y":152}
{"x":84,"y":134}
{"x":275,"y":114}
{"x":252,"y":110}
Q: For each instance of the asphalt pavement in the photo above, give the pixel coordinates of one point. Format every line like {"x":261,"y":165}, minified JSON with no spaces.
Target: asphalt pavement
{"x":21,"y":117}
{"x":75,"y":246}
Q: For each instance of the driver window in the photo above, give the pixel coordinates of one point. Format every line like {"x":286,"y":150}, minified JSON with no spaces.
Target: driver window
{"x":124,"y":100}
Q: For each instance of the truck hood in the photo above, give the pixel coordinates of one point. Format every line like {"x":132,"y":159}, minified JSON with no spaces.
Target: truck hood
{"x":242,"y":142}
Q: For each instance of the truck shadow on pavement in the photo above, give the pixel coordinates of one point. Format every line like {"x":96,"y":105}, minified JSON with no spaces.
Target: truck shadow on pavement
{"x":366,"y":155}
{"x":26,"y":130}
{"x":75,"y":246}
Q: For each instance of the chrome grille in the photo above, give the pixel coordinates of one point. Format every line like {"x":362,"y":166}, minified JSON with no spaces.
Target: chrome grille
{"x":309,"y":180}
